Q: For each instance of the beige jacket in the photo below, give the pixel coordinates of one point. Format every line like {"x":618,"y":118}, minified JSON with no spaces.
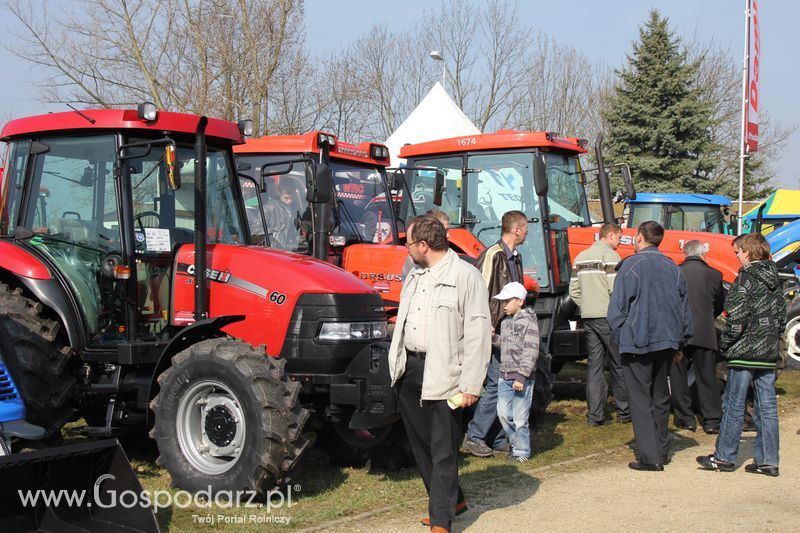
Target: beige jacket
{"x":459,"y":340}
{"x":592,"y":279}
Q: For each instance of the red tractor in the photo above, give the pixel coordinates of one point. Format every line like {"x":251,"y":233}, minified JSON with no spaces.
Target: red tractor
{"x":106,"y":217}
{"x":356,"y":230}
{"x":540,"y":174}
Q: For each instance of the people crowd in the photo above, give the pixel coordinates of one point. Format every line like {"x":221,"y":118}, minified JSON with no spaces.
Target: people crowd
{"x":466,"y":338}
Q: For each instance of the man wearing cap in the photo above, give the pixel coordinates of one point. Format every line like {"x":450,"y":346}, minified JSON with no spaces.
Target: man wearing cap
{"x":440,"y":350}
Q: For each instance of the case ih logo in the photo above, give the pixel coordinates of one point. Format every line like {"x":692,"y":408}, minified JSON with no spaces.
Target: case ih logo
{"x":221,"y":276}
{"x":380,"y":276}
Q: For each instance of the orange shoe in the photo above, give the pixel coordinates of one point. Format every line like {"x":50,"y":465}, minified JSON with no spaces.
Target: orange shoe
{"x":461,"y":508}
{"x":439,"y":529}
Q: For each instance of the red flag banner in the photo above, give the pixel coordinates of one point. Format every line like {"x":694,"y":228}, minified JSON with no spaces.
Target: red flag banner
{"x":752,"y":78}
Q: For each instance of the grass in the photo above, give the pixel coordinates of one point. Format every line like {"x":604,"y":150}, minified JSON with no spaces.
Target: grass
{"x":322,"y":492}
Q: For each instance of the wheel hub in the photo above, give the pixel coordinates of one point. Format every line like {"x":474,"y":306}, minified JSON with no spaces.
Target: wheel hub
{"x":220,"y":425}
{"x":211,"y":427}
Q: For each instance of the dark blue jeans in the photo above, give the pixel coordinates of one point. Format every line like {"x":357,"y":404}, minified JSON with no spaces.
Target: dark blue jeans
{"x":765,"y":415}
{"x":485,"y":426}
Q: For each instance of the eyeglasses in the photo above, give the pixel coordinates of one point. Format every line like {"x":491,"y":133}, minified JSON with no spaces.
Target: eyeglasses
{"x":410,"y":244}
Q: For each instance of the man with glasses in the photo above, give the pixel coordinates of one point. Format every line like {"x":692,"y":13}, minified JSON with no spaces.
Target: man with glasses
{"x":439,"y":353}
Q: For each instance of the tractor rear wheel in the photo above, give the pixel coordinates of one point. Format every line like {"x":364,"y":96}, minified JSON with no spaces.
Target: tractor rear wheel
{"x":37,"y":359}
{"x":226,"y":418}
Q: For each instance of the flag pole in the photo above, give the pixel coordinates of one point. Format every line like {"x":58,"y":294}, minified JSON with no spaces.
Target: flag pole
{"x":743,"y":147}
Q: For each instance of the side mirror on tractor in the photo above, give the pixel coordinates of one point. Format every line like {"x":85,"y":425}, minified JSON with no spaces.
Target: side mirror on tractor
{"x":630,"y":191}
{"x":319,"y":180}
{"x":540,"y":175}
{"x":397,"y":180}
{"x":171,"y":162}
{"x":438,"y":187}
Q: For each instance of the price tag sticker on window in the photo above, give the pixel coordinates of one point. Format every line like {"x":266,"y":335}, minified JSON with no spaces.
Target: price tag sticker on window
{"x":157,"y":240}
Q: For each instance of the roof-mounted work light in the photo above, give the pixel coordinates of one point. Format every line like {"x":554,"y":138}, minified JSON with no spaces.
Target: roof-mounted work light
{"x":147,"y":111}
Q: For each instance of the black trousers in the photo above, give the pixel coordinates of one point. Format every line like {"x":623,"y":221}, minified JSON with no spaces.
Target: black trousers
{"x":648,"y":395}
{"x":709,"y":396}
{"x":601,"y":350}
{"x":434,"y":432}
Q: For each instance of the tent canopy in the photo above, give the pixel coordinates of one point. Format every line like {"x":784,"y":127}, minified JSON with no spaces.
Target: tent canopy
{"x":436,"y":117}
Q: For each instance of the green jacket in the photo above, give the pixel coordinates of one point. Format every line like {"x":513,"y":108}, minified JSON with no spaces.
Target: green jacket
{"x":756,"y":313}
{"x":593,"y":279}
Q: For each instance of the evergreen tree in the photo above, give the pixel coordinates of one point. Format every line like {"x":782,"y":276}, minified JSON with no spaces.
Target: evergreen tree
{"x":658,"y":120}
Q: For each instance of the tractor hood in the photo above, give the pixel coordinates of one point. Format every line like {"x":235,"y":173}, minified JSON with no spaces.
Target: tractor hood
{"x":265,"y":286}
{"x":720,"y":251}
{"x":263,"y":270}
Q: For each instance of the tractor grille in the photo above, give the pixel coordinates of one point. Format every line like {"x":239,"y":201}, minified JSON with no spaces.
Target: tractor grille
{"x":7,"y":389}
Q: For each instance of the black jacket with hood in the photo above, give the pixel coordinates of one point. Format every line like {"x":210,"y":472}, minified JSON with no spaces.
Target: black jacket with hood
{"x":756,"y":313}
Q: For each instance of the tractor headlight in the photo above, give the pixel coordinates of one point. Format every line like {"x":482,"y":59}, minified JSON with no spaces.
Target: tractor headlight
{"x":352,"y":331}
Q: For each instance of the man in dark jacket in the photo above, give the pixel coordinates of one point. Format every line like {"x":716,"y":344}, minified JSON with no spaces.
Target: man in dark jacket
{"x":499,"y":264}
{"x":706,"y":299}
{"x":650,"y":320}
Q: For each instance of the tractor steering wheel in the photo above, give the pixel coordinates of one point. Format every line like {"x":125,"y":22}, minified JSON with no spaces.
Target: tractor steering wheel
{"x":137,"y":218}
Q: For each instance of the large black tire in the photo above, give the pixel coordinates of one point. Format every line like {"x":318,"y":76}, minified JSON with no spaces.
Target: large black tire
{"x":346,"y":447}
{"x":790,"y":342}
{"x":38,"y":359}
{"x":226,"y":418}
{"x":542,"y":388}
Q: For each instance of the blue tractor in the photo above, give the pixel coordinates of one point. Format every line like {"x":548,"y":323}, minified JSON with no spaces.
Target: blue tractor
{"x":682,"y":211}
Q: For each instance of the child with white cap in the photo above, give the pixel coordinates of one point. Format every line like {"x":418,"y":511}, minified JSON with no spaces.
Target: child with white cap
{"x":519,"y":351}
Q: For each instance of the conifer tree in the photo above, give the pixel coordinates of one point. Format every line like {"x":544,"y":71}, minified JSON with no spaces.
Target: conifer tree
{"x":658,"y":120}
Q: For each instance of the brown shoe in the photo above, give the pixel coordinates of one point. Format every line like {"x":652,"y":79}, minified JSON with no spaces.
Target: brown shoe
{"x":461,"y":508}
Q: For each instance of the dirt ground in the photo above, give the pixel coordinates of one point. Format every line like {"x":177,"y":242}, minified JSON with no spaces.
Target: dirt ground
{"x":601,"y":493}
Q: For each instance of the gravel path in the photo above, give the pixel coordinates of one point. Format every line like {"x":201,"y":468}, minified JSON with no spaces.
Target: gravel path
{"x":602,"y":494}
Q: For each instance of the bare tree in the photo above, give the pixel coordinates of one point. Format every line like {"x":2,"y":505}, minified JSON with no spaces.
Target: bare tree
{"x":218,"y":57}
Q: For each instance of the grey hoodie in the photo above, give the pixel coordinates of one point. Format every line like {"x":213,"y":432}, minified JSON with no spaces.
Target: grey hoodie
{"x":519,"y":345}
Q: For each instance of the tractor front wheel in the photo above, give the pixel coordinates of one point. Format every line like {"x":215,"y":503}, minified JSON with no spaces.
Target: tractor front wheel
{"x":226,"y":418}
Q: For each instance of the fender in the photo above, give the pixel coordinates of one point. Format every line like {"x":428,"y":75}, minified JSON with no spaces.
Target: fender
{"x":209,"y":328}
{"x":32,"y":272}
{"x":21,"y":262}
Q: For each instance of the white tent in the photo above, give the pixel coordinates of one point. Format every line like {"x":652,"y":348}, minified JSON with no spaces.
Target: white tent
{"x":436,"y":117}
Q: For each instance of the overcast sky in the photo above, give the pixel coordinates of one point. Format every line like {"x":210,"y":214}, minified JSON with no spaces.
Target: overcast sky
{"x":602,"y":30}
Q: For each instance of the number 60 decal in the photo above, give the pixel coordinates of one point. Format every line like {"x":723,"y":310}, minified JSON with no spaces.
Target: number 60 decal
{"x":277,"y":297}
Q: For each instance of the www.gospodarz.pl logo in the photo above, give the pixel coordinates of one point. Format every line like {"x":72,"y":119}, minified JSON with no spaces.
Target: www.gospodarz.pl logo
{"x":157,"y":499}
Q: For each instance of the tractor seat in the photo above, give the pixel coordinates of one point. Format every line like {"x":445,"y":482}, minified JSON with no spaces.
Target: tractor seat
{"x":74,"y":230}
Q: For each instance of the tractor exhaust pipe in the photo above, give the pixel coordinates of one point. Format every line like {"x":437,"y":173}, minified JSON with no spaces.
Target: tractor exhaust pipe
{"x":200,"y":229}
{"x":603,"y":183}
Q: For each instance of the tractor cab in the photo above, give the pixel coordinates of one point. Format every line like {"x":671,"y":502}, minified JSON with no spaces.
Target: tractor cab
{"x":275,"y":182}
{"x":487,"y":175}
{"x":683,"y":212}
{"x":105,"y":206}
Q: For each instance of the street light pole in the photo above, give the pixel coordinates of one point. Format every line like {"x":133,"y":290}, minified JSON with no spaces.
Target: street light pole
{"x":436,"y":56}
